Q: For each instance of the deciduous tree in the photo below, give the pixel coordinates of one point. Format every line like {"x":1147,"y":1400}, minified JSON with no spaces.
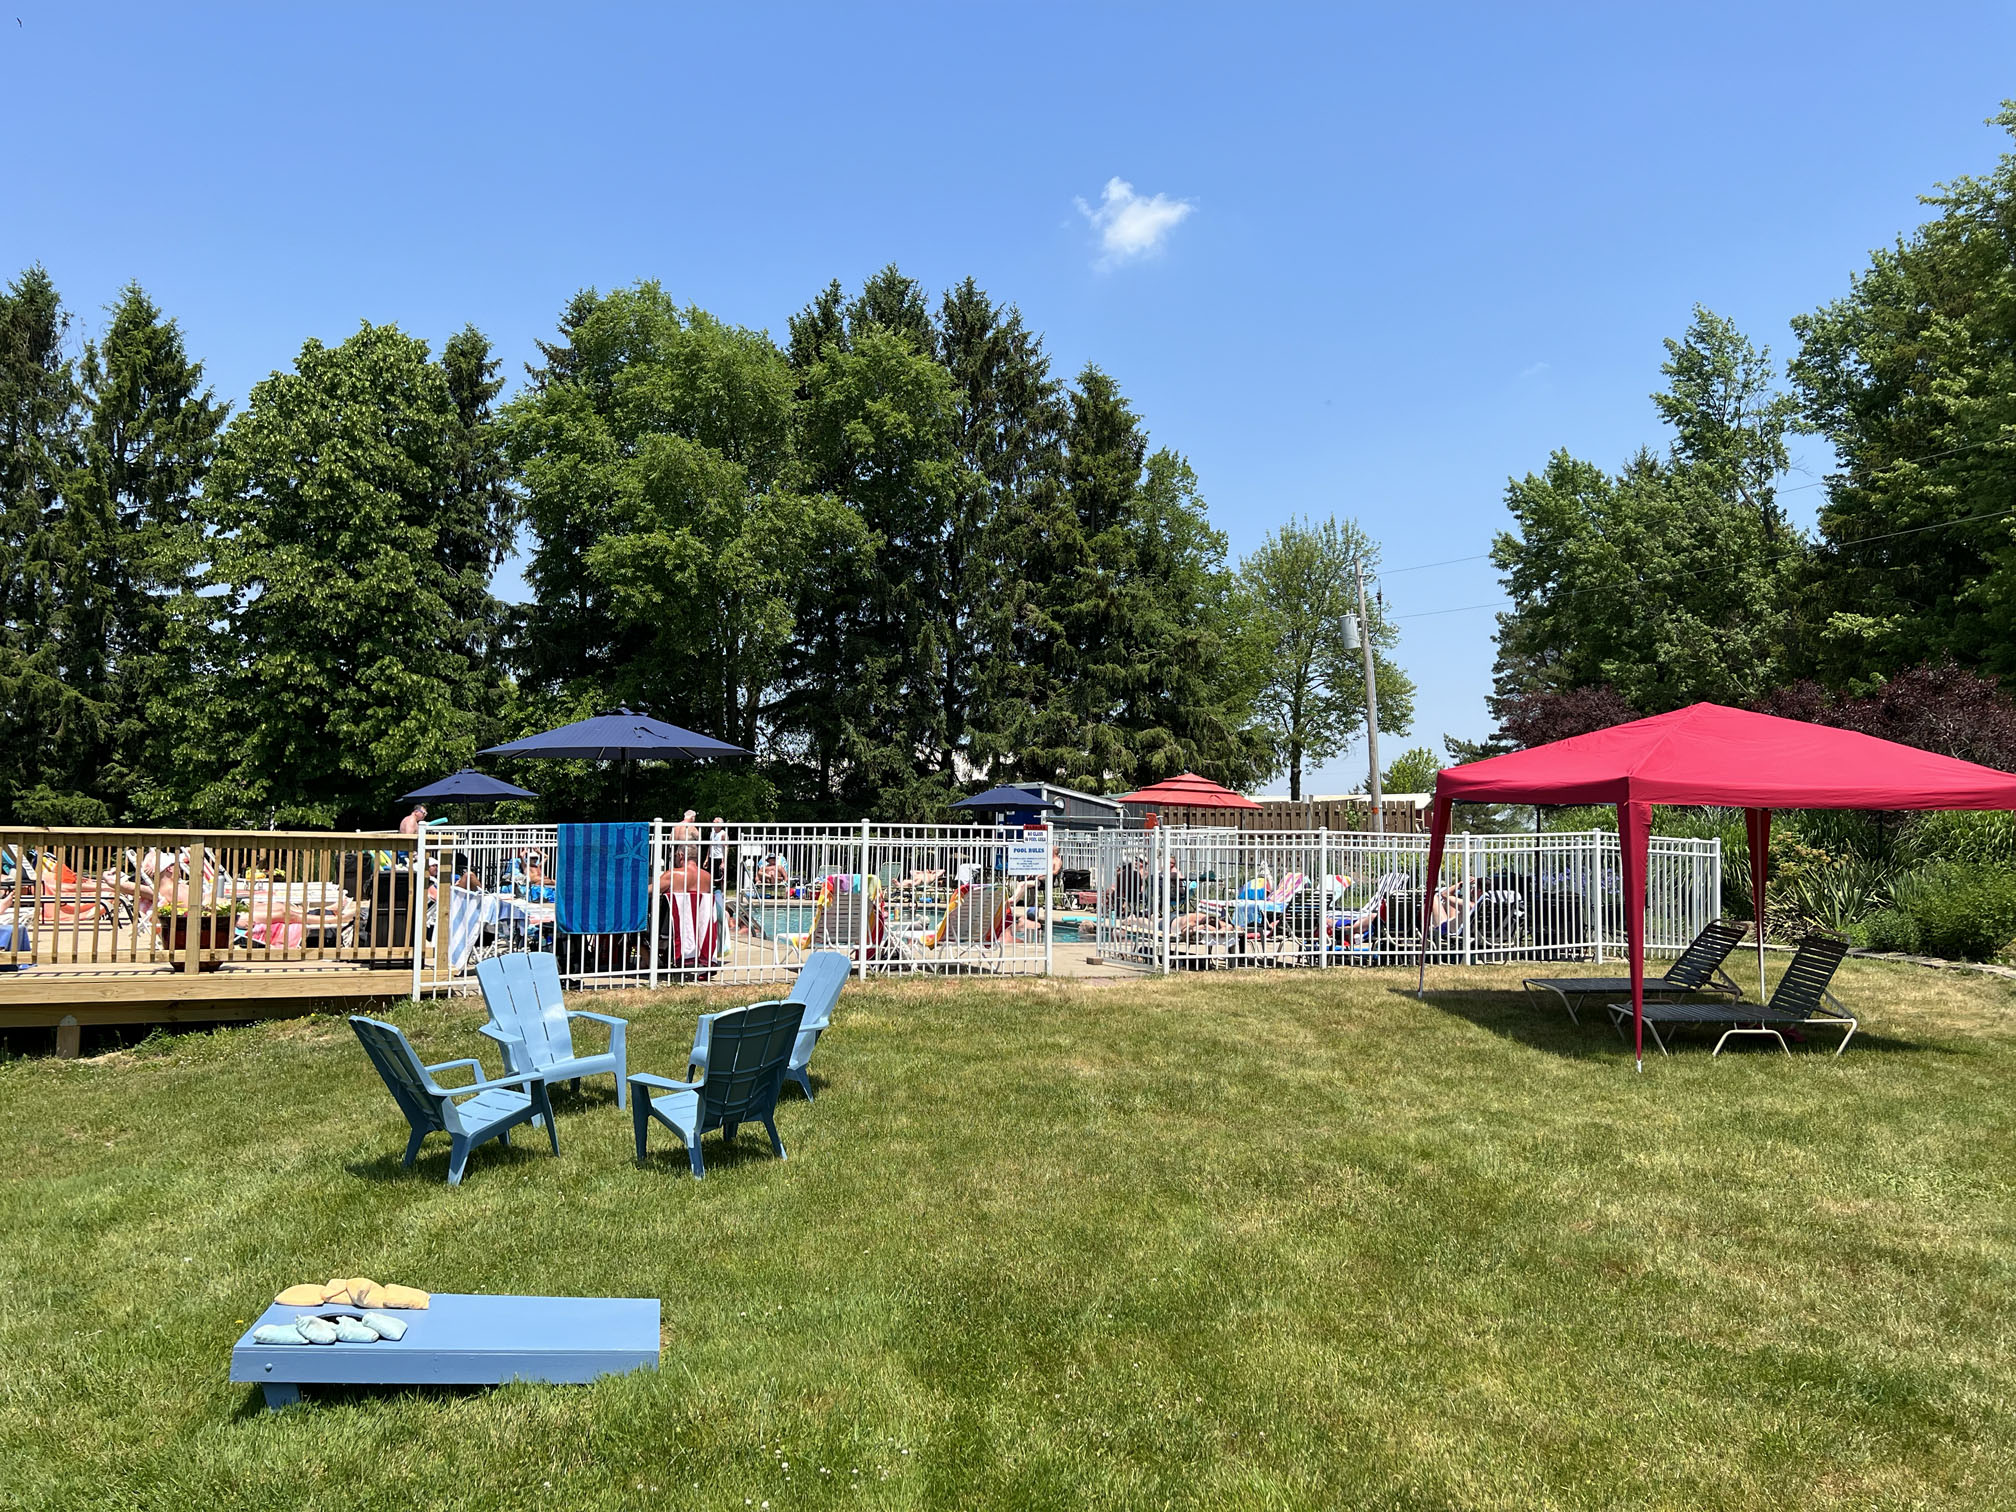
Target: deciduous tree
{"x":1295,"y":589}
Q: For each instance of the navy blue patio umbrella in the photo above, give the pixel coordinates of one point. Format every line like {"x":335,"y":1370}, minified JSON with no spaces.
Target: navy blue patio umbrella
{"x":467,"y":786}
{"x":1006,"y":799}
{"x":622,"y":736}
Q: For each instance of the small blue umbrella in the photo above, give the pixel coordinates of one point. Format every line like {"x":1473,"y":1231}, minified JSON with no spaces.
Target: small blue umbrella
{"x":467,"y":786}
{"x":1004,"y":799}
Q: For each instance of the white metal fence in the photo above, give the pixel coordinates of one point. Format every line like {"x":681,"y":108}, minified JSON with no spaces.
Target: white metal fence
{"x":1186,"y":899}
{"x":746,"y":903}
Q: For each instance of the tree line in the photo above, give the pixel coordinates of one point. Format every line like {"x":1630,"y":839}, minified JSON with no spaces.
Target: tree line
{"x":894,"y":555}
{"x":1678,"y":577}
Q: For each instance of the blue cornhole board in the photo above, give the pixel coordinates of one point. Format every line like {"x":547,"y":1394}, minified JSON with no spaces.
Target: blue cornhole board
{"x":462,"y":1340}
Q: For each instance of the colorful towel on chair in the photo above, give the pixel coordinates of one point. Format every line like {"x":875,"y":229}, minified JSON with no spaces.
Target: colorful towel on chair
{"x":604,"y":879}
{"x":694,"y":921}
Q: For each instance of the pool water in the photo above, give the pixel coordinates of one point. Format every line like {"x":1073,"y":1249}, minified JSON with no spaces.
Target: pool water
{"x":777,"y":918}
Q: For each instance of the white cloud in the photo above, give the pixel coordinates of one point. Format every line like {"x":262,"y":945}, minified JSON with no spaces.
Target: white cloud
{"x":1132,"y":225}
{"x":1536,"y":370}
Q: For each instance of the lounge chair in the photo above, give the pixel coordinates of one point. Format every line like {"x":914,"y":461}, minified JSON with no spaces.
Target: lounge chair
{"x":836,"y":917}
{"x":740,"y":1057}
{"x":1800,"y":998}
{"x":1257,"y":907}
{"x":976,"y":920}
{"x":492,"y":1111}
{"x":818,"y":988}
{"x":531,"y":1020}
{"x":1324,"y":926}
{"x":1698,"y":970}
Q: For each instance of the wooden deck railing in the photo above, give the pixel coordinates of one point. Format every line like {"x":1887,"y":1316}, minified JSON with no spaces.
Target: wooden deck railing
{"x":124,"y":903}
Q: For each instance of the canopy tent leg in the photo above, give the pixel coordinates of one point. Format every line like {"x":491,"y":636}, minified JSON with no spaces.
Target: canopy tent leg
{"x":1757,"y":829}
{"x":1634,"y":842}
{"x":1438,"y":832}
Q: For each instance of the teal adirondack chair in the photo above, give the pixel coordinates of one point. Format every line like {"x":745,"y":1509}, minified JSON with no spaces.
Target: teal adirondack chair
{"x":739,"y":1057}
{"x":819,"y":982}
{"x":531,"y":1020}
{"x":491,"y":1112}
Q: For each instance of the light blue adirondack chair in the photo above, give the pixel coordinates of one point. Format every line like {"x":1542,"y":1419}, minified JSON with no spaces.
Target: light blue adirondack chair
{"x":491,"y":1112}
{"x":530,"y":1019}
{"x":734,"y":1076}
{"x":819,"y":982}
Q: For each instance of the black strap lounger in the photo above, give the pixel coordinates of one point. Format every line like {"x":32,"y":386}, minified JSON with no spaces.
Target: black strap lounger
{"x":1801,"y":997}
{"x":1699,"y":969}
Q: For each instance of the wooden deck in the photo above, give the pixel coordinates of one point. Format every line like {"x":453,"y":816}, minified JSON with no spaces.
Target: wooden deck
{"x":167,"y":926}
{"x":42,"y":995}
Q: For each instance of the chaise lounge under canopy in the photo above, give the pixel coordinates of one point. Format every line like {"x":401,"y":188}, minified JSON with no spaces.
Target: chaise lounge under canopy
{"x":1708,"y":755}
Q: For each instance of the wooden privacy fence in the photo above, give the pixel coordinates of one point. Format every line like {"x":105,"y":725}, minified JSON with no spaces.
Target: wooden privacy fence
{"x":121,"y":916}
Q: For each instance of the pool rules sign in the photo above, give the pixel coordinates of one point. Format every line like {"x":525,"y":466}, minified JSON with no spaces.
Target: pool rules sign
{"x":1027,"y":858}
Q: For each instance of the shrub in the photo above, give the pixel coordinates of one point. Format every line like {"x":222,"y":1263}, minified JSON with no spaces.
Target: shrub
{"x":1961,"y":912}
{"x":42,"y":804}
{"x":1890,"y":929}
{"x":1818,"y":889}
{"x":1981,"y":839}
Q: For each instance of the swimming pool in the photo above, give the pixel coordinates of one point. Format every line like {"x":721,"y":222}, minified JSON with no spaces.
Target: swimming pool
{"x":776,"y":918}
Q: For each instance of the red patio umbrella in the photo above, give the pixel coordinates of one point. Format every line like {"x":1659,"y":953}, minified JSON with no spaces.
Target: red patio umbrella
{"x":1708,"y":754}
{"x":1190,"y":791}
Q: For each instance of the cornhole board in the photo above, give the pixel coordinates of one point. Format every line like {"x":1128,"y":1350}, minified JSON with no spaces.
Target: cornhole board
{"x":462,"y":1339}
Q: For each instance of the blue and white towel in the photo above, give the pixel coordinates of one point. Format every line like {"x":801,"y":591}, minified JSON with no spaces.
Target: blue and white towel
{"x":465,"y":927}
{"x":604,"y":880}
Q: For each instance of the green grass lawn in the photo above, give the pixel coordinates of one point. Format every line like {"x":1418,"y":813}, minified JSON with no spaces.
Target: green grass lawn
{"x":1272,"y":1241}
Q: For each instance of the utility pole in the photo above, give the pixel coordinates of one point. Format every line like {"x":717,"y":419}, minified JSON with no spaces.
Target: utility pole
{"x":1363,"y":642}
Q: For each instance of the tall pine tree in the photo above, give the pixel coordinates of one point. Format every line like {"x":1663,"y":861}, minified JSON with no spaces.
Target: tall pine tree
{"x":150,"y":433}
{"x":55,"y":700}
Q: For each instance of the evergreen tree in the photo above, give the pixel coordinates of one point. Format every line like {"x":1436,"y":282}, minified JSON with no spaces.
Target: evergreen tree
{"x":872,"y":683}
{"x":1118,"y":666}
{"x":1008,"y":436}
{"x":55,"y":700}
{"x":150,"y":433}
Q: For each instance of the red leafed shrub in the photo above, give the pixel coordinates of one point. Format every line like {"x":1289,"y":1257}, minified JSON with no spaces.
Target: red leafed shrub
{"x":1532,"y":719}
{"x":1936,"y":707}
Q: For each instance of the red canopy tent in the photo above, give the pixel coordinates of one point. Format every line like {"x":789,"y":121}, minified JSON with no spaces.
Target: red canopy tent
{"x":1707,"y":754}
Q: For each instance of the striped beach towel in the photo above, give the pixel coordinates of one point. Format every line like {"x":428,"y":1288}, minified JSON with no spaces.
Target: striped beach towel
{"x":604,"y":881}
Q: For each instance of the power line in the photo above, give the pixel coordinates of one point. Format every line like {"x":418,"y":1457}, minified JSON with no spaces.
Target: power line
{"x":1485,"y":556}
{"x":1891,"y":535}
{"x":1482,"y":556}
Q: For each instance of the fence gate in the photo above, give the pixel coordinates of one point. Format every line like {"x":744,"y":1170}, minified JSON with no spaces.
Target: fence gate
{"x":1131,"y":878}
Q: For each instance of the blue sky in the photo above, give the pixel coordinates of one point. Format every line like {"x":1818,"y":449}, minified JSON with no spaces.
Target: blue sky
{"x":1397,"y":255}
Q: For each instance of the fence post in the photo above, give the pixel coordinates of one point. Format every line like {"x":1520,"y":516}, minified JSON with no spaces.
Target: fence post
{"x":1323,"y":895}
{"x":651,"y":889}
{"x":862,"y":938}
{"x":1465,"y":901}
{"x":1592,"y":889}
{"x":192,"y":899}
{"x":416,"y":904}
{"x":1049,"y":904}
{"x":1159,"y":859}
